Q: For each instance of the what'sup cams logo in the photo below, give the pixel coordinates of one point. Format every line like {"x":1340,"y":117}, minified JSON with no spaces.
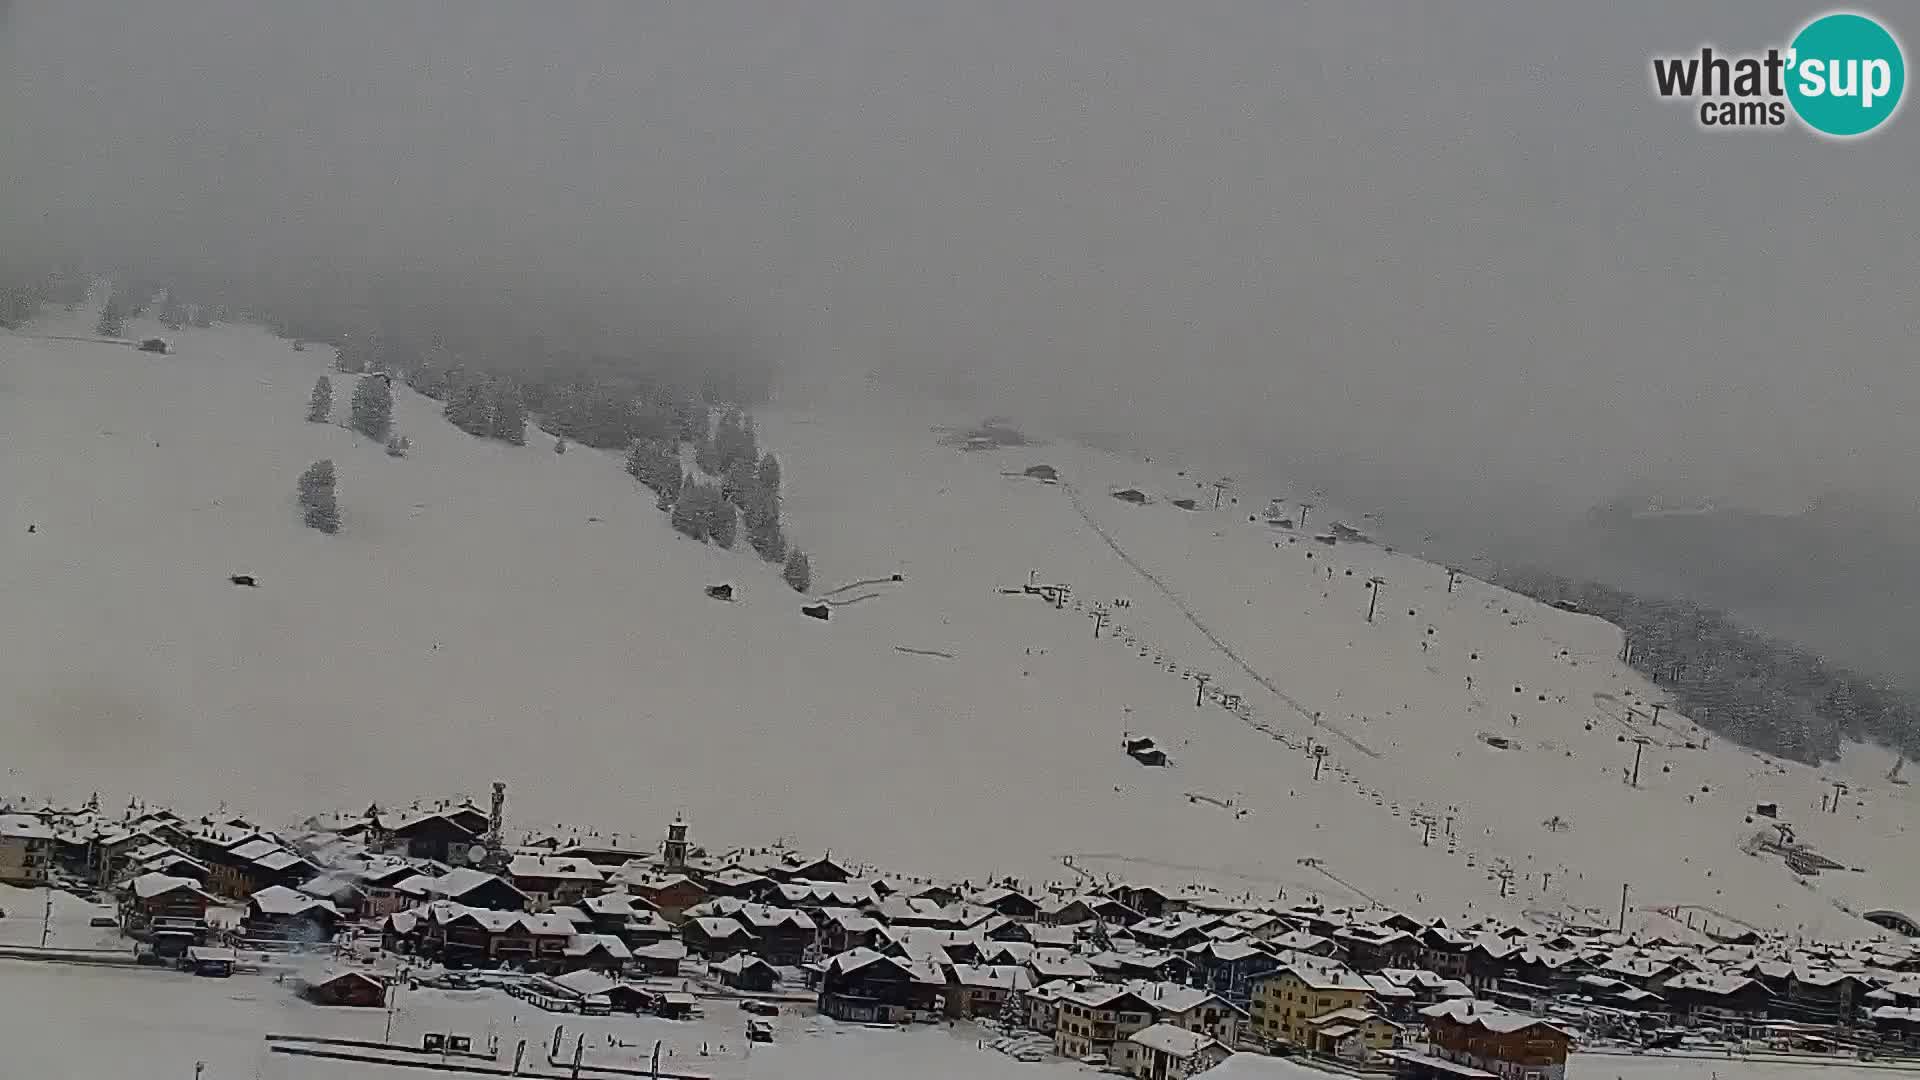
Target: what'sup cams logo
{"x":1842,"y":75}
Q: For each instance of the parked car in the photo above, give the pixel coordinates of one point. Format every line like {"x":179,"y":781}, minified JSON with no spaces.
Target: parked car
{"x":760,"y":1008}
{"x":153,"y":345}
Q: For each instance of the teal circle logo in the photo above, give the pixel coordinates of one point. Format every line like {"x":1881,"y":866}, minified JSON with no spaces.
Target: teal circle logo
{"x":1847,"y":75}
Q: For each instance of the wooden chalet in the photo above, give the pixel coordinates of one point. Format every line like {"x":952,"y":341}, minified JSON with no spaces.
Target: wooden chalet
{"x":442,"y":833}
{"x":1704,"y":996}
{"x":472,"y":888}
{"x":716,"y":937}
{"x":464,"y":937}
{"x":352,"y":989}
{"x":168,"y":911}
{"x":738,"y":884}
{"x":744,"y":971}
{"x":277,"y":913}
{"x":1491,"y":1039}
{"x":1230,"y":968}
{"x":781,"y":935}
{"x":660,"y":957}
{"x":671,"y":895}
{"x":553,"y":881}
{"x":1074,"y":910}
{"x":983,"y":990}
{"x":595,"y":952}
{"x":254,"y":864}
{"x":863,"y":986}
{"x":1008,"y":902}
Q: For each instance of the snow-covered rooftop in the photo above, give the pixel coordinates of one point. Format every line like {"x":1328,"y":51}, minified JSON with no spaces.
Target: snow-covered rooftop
{"x":1172,"y":1040}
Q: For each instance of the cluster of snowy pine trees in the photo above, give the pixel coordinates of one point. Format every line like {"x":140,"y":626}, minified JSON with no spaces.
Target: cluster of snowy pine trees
{"x":489,"y":407}
{"x":372,"y":408}
{"x":173,"y":311}
{"x":317,"y":504}
{"x":656,"y":463}
{"x":320,"y":406}
{"x":113,"y":318}
{"x":701,"y":513}
{"x":733,"y":489}
{"x":735,"y":485}
{"x":20,"y":300}
{"x":608,"y":417}
{"x":1762,"y":692}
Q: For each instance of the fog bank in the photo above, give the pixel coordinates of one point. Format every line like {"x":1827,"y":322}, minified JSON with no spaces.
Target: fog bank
{"x":1459,"y":251}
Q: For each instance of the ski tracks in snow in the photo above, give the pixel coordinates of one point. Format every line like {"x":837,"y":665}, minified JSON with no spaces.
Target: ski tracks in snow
{"x":1181,"y":605}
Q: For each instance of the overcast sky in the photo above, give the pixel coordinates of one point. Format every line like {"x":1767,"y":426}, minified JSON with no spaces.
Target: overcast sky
{"x":1458,"y":243}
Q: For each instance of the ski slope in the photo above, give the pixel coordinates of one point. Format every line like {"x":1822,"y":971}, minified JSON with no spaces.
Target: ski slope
{"x":489,"y":611}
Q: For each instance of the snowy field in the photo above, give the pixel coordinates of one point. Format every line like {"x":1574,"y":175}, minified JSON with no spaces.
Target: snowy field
{"x":490,"y":611}
{"x":150,"y":1023}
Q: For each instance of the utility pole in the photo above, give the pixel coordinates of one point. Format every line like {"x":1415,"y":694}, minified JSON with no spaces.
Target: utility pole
{"x":1304,"y":507}
{"x":1453,"y":575}
{"x":46,"y":919}
{"x":1839,"y":789}
{"x":1200,"y":689}
{"x":1639,"y":745}
{"x":1374,"y":584}
{"x":1506,"y":880}
{"x":1219,"y":486}
{"x":1100,"y":617}
{"x":1319,"y":759}
{"x":1545,"y":876}
{"x":1656,"y":713}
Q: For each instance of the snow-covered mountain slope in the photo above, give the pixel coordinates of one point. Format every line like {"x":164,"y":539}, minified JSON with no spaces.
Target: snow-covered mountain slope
{"x":504,"y":612}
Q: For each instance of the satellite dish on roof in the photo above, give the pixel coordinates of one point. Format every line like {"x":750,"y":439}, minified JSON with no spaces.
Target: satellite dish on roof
{"x":477,"y":854}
